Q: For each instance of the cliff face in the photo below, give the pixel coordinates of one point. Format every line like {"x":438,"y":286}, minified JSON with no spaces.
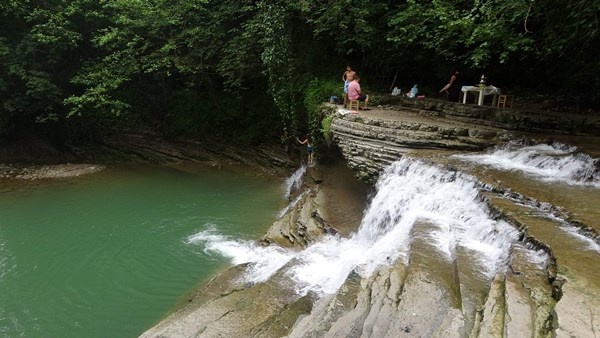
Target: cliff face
{"x":374,"y":139}
{"x":371,"y":140}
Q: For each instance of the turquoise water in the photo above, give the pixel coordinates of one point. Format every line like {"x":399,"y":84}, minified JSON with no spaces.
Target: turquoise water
{"x":106,"y":255}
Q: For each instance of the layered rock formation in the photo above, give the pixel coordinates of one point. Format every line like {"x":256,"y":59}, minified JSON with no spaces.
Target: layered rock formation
{"x":425,"y":295}
{"x":371,"y":140}
{"x":429,"y":297}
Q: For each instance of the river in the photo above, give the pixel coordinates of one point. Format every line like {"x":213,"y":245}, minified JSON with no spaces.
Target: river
{"x":108,"y":255}
{"x":481,"y":244}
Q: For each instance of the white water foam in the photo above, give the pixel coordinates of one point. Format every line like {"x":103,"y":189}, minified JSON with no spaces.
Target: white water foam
{"x":588,"y":243}
{"x":265,"y":260}
{"x":294,"y":181}
{"x":408,"y":192}
{"x":291,"y":205}
{"x":537,"y":256}
{"x":553,"y":163}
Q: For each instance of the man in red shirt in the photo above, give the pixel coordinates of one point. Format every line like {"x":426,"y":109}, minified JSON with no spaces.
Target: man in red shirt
{"x":354,"y":91}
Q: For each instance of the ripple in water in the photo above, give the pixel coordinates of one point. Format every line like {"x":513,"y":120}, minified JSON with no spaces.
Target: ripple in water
{"x":556,"y":162}
{"x":409,"y":192}
{"x":7,"y":262}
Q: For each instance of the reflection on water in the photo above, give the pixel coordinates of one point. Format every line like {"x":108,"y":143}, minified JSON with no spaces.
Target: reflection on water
{"x":134,"y":241}
{"x":7,"y":259}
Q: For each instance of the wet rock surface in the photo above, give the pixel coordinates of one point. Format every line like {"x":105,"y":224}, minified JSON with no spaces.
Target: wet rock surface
{"x":424,"y":295}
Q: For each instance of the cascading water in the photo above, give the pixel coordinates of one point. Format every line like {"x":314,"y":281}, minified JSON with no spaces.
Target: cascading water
{"x":290,"y":205}
{"x":294,"y":181}
{"x":556,"y":162}
{"x":409,"y":193}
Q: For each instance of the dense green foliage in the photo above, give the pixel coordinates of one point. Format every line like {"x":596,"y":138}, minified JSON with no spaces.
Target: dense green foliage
{"x":246,"y":69}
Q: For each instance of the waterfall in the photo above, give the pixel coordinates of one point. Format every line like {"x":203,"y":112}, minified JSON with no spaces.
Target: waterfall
{"x":409,"y":193}
{"x":556,"y":162}
{"x":293,"y":181}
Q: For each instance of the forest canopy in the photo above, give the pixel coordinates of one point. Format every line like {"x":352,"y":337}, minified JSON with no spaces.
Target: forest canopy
{"x":247,"y":69}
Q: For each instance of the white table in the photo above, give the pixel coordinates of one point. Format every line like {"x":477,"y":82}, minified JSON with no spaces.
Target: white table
{"x":480,"y":92}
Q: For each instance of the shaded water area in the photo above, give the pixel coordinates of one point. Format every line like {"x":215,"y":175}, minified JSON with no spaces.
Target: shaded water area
{"x":106,"y":255}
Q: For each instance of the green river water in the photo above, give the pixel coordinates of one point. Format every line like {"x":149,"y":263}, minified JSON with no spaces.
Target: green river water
{"x":105,"y":255}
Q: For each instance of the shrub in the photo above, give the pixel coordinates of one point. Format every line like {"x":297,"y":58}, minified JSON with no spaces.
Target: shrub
{"x":326,"y":130}
{"x":319,"y":91}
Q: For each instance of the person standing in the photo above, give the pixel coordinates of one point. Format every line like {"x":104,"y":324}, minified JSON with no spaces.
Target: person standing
{"x":309,"y":148}
{"x":453,"y":87}
{"x":347,"y":77}
{"x":354,"y":92}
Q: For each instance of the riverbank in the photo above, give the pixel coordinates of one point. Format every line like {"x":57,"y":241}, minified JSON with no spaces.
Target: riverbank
{"x":36,"y":161}
{"x":41,"y":172}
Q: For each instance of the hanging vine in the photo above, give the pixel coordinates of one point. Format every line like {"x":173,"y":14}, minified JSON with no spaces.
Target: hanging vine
{"x":278,"y":61}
